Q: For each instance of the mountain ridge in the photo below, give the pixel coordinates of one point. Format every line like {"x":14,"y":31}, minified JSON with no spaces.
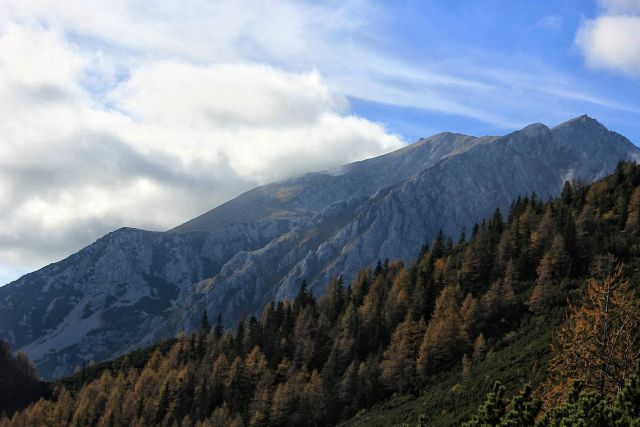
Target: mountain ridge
{"x":133,"y":287}
{"x":405,"y":343}
{"x":430,"y":150}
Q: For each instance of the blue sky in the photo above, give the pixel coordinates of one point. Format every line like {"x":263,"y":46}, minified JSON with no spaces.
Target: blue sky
{"x":130,"y":114}
{"x":527,"y":50}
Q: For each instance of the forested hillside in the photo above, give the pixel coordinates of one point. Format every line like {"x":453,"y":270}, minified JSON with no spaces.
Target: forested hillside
{"x":132,"y":288}
{"x":426,"y":339}
{"x":19,"y":383}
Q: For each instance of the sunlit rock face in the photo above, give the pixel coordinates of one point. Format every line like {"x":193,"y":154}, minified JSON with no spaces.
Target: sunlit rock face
{"x":133,"y":287}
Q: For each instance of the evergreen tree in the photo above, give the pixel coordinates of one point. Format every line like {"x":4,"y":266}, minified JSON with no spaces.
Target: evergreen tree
{"x":204,"y":323}
{"x":627,"y":404}
{"x":523,"y":409}
{"x":438,"y":250}
{"x":492,"y":410}
{"x":219,"y":328}
{"x":308,"y":362}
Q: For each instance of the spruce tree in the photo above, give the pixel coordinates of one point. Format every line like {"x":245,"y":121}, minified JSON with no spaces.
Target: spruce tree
{"x":219,"y":328}
{"x":204,"y":323}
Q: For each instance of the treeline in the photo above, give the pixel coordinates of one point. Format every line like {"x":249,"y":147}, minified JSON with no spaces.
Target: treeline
{"x":310,"y":361}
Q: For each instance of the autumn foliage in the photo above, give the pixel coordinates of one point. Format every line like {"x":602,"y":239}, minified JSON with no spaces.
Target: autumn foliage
{"x":599,"y":343}
{"x":395,"y":327}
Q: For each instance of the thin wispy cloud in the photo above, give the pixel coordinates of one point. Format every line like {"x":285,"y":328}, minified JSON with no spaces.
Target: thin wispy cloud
{"x":550,"y":23}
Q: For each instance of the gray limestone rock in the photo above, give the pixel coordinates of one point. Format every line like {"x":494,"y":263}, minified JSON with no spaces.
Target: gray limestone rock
{"x":133,"y":287}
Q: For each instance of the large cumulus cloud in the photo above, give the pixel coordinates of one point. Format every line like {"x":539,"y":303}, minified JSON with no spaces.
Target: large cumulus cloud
{"x":139,"y":113}
{"x":612,"y":40}
{"x":150,"y":147}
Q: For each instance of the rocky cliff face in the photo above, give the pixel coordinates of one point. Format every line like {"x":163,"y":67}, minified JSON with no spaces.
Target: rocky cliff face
{"x":132,"y":287}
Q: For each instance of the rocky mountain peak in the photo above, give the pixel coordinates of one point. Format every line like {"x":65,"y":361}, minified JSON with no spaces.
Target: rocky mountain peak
{"x":133,"y":287}
{"x":533,"y":131}
{"x":582,"y":122}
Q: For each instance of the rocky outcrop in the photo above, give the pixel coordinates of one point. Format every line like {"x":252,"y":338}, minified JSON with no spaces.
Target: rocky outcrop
{"x":132,"y":287}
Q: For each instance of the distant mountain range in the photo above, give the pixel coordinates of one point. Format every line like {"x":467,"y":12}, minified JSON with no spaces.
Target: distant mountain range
{"x":133,"y":287}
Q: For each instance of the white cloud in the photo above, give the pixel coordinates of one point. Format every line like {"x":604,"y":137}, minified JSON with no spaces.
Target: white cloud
{"x":146,"y":114}
{"x":169,"y":141}
{"x":262,"y":123}
{"x":612,"y":40}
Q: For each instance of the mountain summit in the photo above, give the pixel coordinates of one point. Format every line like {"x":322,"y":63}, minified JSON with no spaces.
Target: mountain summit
{"x":133,"y":287}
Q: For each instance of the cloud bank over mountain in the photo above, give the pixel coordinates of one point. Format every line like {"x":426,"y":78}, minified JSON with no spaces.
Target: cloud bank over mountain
{"x":168,"y":140}
{"x":139,"y":115}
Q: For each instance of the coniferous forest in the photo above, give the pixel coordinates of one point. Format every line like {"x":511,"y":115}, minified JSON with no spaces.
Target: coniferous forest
{"x":543,"y":298}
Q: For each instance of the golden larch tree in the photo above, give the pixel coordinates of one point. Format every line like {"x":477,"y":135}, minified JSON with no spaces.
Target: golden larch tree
{"x":599,"y":342}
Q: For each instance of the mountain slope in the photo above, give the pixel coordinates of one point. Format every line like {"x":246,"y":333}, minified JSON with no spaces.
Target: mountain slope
{"x":311,"y":193}
{"x":449,"y":195}
{"x":400,"y":341}
{"x":133,"y":287}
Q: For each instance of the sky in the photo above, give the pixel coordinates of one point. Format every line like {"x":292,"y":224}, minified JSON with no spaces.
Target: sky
{"x":146,"y":114}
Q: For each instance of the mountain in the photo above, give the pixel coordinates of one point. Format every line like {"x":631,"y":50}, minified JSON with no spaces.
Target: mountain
{"x":411,"y":344}
{"x":133,"y":287}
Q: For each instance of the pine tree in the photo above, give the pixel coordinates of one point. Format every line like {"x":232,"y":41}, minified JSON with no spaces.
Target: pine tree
{"x":492,"y":410}
{"x":627,"y":404}
{"x":567,"y":194}
{"x":582,"y":408}
{"x":497,"y":222}
{"x":523,"y":409}
{"x":378,"y":270}
{"x":317,"y":363}
{"x":463,"y":237}
{"x":304,"y":297}
{"x":219,"y":328}
{"x":438,"y":250}
{"x":204,"y":323}
{"x":360,"y":287}
{"x":334,"y":300}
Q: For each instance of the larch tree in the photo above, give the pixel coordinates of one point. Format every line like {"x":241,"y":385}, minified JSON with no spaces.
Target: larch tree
{"x":443,"y":338}
{"x":398,"y":368}
{"x":552,"y":268}
{"x":600,"y":341}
